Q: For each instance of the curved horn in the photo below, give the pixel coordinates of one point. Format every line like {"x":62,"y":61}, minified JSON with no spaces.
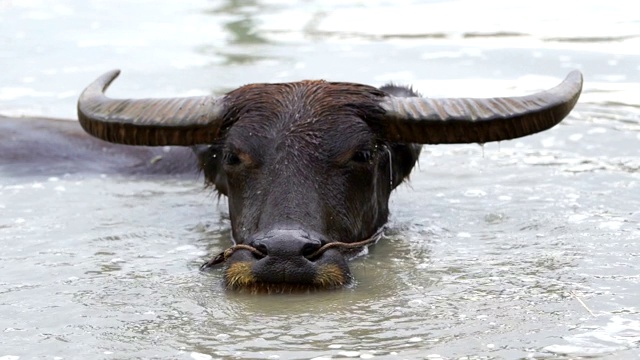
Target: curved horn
{"x":465,"y":120}
{"x":151,"y":122}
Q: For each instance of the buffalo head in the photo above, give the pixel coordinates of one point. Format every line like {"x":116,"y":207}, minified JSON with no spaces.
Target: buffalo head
{"x":311,"y":164}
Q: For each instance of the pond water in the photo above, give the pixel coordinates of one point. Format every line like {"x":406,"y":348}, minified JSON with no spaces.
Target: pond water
{"x":525,"y":249}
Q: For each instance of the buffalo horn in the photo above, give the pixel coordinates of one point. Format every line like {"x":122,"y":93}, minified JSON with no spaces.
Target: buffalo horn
{"x":468,"y":120}
{"x":151,"y":122}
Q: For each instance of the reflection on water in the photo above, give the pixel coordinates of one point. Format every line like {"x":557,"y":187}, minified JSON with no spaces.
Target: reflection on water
{"x":526,"y":248}
{"x":239,"y":22}
{"x":242,"y":24}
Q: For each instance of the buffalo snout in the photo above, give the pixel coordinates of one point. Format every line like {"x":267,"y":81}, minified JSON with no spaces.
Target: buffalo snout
{"x":289,"y":260}
{"x":287,"y":244}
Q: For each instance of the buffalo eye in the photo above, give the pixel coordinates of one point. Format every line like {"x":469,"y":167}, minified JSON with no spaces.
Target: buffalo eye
{"x":362,"y":156}
{"x":230,"y":158}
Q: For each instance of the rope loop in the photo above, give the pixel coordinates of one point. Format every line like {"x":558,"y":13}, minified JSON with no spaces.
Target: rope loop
{"x":225,"y":255}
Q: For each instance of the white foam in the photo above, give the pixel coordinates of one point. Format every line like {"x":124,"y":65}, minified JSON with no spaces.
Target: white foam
{"x":617,"y":335}
{"x":577,"y":218}
{"x":610,"y":225}
{"x":576,"y":137}
{"x":475,"y":193}
{"x":597,"y":130}
{"x":185,"y":248}
{"x":349,"y":353}
{"x":200,"y":356}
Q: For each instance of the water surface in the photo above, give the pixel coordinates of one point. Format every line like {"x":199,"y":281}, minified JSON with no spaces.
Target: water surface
{"x":527,"y":248}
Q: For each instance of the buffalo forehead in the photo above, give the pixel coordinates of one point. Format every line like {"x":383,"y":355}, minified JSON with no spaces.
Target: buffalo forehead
{"x":326,"y":117}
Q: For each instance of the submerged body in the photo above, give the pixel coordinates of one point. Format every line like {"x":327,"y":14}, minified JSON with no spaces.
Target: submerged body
{"x":44,"y":146}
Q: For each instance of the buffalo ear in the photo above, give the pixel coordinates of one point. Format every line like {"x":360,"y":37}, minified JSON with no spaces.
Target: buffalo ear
{"x":403,"y":159}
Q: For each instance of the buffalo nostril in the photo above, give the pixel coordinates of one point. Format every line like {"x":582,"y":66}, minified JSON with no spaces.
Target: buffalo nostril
{"x":286,"y":245}
{"x":261,"y":247}
{"x":310,"y":248}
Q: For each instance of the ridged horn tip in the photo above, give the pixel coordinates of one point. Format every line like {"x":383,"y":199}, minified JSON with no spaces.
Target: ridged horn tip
{"x":98,"y":86}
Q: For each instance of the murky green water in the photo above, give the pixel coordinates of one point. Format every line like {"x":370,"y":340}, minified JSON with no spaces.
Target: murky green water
{"x":528,"y":248}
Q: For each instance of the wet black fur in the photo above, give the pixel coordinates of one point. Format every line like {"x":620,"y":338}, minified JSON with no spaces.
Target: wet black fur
{"x":210,"y":157}
{"x":397,"y":159}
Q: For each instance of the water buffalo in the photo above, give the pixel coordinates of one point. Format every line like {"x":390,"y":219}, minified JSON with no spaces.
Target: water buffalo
{"x":308,"y":166}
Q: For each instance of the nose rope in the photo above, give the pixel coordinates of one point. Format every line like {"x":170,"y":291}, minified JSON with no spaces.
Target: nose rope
{"x":225,"y":255}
